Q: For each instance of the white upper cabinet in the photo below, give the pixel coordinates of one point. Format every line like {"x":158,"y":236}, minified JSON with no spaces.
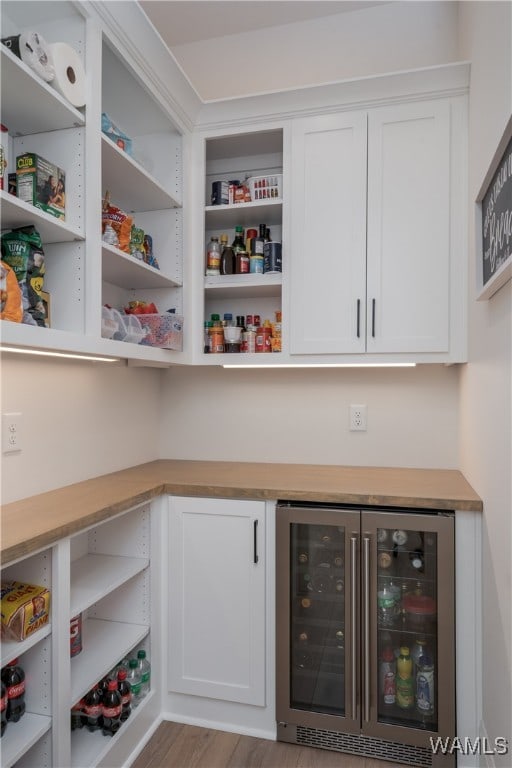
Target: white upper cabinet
{"x":328,"y":230}
{"x":408,"y":252}
{"x":376,"y":234}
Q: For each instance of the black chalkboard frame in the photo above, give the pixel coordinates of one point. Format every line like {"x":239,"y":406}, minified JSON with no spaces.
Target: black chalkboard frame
{"x":488,"y":285}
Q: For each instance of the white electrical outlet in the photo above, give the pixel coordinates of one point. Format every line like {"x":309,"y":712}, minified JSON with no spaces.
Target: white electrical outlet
{"x":11,"y":432}
{"x":358,"y":418}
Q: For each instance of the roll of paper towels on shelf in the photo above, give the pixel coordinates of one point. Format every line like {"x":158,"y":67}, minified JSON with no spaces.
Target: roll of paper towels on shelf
{"x":69,"y":78}
{"x":34,"y":51}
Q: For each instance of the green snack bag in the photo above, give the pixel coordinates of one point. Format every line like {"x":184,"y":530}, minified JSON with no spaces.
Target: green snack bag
{"x":22,"y":250}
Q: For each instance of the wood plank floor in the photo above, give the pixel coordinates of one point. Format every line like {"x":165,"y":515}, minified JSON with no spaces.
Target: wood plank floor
{"x":187,"y":746}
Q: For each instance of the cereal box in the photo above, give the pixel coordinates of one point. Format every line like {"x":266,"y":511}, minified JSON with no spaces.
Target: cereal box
{"x":41,"y":183}
{"x":25,"y":608}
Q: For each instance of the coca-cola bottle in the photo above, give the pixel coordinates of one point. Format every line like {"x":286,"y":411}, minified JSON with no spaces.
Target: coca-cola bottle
{"x":92,"y":709}
{"x":77,"y":719}
{"x":111,"y":708}
{"x":13,"y":677}
{"x":3,"y":709}
{"x":124,"y":688}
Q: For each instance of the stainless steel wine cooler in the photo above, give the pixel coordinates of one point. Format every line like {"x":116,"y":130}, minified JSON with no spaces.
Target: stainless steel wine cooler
{"x":366,"y":631}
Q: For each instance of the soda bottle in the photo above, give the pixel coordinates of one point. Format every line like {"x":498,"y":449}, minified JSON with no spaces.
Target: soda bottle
{"x":133,"y":678}
{"x":387,"y":676}
{"x":111,"y":708}
{"x":92,"y":709}
{"x":124,"y":688}
{"x":404,"y":680}
{"x":3,"y":709}
{"x":13,"y":677}
{"x":145,"y":673}
{"x":77,"y":720}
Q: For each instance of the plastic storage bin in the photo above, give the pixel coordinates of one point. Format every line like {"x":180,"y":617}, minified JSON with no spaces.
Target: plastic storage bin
{"x":109,"y":325}
{"x":129,"y":328}
{"x":266,"y":187}
{"x":165,"y":331}
{"x":134,"y":330}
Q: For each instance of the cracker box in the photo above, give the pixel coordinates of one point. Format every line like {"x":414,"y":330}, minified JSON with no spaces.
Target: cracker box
{"x":25,"y":608}
{"x":41,"y":184}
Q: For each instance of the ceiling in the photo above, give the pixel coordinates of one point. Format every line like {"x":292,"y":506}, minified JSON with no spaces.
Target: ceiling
{"x":190,"y":21}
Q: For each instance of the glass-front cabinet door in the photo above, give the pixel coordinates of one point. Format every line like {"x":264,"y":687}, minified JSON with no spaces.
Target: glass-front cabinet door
{"x":317,"y":610}
{"x":408,"y":664}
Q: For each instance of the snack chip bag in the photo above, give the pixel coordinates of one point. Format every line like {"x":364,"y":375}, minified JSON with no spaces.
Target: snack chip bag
{"x":115,"y":220}
{"x":11,"y":306}
{"x":22,"y":250}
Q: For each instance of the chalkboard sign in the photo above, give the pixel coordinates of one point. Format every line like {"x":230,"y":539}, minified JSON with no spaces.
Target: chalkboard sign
{"x":495,"y":215}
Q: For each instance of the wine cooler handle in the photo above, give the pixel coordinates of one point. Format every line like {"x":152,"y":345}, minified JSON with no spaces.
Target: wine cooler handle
{"x":353,"y":619}
{"x":366,"y":629}
{"x":255,"y":542}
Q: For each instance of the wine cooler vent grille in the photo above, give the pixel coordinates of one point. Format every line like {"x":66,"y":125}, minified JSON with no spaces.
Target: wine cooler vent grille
{"x":364,"y":745}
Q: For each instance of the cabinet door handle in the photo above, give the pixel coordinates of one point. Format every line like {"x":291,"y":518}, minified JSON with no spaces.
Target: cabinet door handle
{"x":255,"y":541}
{"x":373,"y":318}
{"x":366,"y":628}
{"x":358,"y":318}
{"x":353,"y":619}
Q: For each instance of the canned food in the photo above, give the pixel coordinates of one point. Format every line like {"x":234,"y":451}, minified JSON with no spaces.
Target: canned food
{"x":75,"y":635}
{"x":256,"y":264}
{"x":263,"y":335}
{"x":272,"y":257}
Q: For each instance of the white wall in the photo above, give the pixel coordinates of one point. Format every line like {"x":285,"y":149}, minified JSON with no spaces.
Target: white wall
{"x":79,"y":420}
{"x":302,"y":416}
{"x":388,"y":38}
{"x":486,"y":383}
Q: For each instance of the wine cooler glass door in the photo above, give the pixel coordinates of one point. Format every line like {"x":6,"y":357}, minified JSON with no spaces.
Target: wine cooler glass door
{"x":412,"y":595}
{"x":318,"y":600}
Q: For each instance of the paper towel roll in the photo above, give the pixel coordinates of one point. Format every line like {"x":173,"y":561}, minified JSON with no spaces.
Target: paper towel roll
{"x":69,"y":78}
{"x":35,"y":52}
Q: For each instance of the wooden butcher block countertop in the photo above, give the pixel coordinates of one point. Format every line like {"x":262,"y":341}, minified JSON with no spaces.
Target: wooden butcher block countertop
{"x":39,"y":521}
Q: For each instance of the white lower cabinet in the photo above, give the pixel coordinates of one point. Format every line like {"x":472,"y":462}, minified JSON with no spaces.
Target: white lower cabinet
{"x":216,"y":599}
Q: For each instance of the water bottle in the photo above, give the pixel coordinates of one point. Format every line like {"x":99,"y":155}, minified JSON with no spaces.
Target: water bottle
{"x":145,"y":673}
{"x":92,"y":709}
{"x":425,"y":701}
{"x":13,"y":677}
{"x":111,"y":709}
{"x":133,"y":678}
{"x":123,"y":686}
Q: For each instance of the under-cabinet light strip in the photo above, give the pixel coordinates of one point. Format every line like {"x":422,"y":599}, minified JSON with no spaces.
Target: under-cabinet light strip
{"x":321,"y":365}
{"x":67,"y":355}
